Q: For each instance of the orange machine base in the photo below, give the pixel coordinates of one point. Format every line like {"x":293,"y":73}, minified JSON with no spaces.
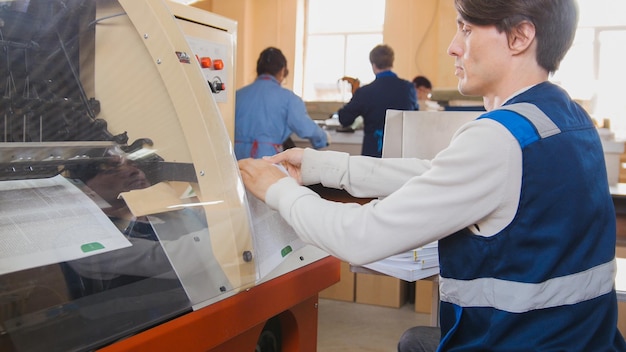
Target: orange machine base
{"x":235,"y":323}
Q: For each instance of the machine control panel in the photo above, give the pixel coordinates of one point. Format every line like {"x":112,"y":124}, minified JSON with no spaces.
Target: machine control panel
{"x":212,"y":58}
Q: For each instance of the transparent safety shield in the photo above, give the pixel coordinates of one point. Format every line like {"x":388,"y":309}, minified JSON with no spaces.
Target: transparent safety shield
{"x":121,"y":205}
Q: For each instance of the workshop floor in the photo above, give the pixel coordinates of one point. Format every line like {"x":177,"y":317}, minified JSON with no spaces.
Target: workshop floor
{"x":352,"y":327}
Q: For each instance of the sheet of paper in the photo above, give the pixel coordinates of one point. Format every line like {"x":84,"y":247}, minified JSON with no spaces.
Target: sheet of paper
{"x":274,"y":239}
{"x":155,"y":199}
{"x":47,"y":221}
{"x":407,"y":270}
{"x":411,"y":265}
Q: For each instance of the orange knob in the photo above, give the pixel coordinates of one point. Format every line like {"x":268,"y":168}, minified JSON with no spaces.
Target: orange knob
{"x":218,"y":64}
{"x":205,"y":62}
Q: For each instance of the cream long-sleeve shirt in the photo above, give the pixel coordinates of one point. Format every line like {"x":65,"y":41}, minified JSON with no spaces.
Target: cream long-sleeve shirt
{"x":475,"y":182}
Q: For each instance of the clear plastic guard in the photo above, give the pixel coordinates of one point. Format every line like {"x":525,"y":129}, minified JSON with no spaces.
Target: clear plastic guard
{"x":107,"y":99}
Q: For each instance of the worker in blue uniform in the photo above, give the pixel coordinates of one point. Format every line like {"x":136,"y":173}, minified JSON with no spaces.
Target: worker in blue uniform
{"x":266,"y":114}
{"x":371,"y":101}
{"x":545,"y":281}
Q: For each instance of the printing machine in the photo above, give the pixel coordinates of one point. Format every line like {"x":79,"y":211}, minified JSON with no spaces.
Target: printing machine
{"x":135,"y":94}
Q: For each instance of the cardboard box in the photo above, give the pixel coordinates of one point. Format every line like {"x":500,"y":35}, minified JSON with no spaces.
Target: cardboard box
{"x":344,"y":289}
{"x":381,"y":290}
{"x":427,"y":298}
{"x":424,"y":296}
{"x":621,"y":317}
{"x":612,"y":154}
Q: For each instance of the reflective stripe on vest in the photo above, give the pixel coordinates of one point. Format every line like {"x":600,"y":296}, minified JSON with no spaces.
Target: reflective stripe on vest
{"x":545,"y":126}
{"x":535,"y":124}
{"x":519,"y":297}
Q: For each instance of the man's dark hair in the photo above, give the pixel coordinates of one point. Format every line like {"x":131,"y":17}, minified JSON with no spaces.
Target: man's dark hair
{"x":271,"y":61}
{"x":555,"y":22}
{"x":83,"y":171}
{"x":421,"y":81}
{"x":382,"y":57}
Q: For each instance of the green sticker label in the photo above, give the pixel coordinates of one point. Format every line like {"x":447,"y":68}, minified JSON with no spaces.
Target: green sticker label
{"x":93,"y":246}
{"x":286,"y":251}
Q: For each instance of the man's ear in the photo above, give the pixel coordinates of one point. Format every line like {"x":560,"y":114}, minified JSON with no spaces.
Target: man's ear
{"x":522,"y":37}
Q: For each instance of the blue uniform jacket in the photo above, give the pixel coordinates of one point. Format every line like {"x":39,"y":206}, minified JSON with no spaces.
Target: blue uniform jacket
{"x":266,"y":114}
{"x":371,"y":101}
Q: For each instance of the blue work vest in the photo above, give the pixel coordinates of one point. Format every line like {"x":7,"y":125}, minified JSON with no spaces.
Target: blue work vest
{"x":546,"y":281}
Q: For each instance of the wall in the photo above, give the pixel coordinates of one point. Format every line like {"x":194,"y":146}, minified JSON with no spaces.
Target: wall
{"x":261,"y":23}
{"x":418,"y":31}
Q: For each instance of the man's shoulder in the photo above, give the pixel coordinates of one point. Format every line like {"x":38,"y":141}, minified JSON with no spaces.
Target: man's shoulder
{"x":392,"y":81}
{"x":382,"y":82}
{"x":247,"y":88}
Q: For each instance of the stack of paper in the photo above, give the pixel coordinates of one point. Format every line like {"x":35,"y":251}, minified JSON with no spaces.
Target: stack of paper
{"x":413,"y":265}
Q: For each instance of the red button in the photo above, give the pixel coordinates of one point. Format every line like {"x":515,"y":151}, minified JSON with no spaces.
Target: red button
{"x":205,"y":62}
{"x":218,"y":64}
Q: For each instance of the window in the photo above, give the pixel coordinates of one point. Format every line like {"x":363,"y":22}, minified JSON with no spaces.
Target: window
{"x":592,"y":70}
{"x":338,"y":42}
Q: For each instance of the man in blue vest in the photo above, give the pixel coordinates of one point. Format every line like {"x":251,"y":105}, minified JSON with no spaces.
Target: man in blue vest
{"x":519,"y":201}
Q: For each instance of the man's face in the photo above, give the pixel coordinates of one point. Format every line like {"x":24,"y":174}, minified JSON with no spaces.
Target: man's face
{"x":481,"y":58}
{"x":116,"y":178}
{"x":423,"y":93}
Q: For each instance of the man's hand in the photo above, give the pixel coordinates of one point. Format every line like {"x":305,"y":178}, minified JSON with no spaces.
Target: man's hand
{"x":258,"y":175}
{"x":291,"y":160}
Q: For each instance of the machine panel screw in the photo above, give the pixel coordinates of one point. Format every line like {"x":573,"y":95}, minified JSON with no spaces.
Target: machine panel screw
{"x":247,"y":256}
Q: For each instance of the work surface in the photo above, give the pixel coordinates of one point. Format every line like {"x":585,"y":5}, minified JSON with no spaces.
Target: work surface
{"x":349,"y":142}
